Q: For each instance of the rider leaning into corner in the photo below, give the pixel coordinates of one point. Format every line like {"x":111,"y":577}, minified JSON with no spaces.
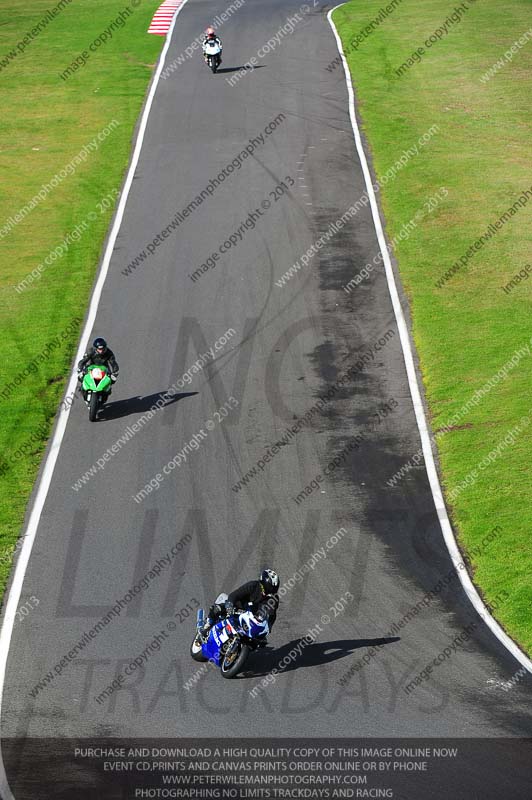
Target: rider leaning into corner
{"x":211,"y":37}
{"x":260,"y":597}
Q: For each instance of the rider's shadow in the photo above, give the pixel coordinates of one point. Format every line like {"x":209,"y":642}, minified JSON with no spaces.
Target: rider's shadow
{"x":239,"y":69}
{"x":312,"y":655}
{"x":138,"y":405}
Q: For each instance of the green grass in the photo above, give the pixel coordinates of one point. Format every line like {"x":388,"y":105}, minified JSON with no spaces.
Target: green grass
{"x":465,"y":331}
{"x":45,"y":122}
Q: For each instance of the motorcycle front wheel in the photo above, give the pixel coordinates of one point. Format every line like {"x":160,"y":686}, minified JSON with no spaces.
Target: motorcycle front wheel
{"x":235,"y":656}
{"x":93,"y":407}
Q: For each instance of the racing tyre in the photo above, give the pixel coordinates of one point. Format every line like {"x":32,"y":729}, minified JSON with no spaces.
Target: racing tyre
{"x":195,"y":650}
{"x":93,"y":407}
{"x":234,"y":659}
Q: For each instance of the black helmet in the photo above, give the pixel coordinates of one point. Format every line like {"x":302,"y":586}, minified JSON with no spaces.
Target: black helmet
{"x":100,"y":343}
{"x":269,"y":581}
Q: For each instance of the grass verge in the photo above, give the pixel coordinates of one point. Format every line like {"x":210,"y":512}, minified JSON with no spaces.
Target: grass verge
{"x":69,"y":140}
{"x":468,"y":323}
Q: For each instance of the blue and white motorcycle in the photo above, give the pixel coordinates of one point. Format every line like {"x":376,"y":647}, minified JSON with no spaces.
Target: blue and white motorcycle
{"x":229,"y":641}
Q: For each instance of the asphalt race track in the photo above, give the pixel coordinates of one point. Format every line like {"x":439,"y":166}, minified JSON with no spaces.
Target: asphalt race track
{"x":287,"y":346}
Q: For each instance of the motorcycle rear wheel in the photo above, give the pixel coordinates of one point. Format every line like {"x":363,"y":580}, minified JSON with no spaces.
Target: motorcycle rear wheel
{"x":236,"y":664}
{"x":195,"y":649}
{"x":93,"y":407}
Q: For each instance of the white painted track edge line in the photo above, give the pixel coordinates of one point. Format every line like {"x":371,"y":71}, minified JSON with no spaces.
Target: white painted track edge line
{"x":430,"y":464}
{"x":46,"y":477}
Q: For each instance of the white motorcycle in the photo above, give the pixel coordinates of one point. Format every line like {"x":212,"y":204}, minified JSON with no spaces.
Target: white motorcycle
{"x":212,"y":51}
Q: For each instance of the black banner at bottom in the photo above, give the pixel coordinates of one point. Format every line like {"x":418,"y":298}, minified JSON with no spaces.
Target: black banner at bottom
{"x":280,"y":769}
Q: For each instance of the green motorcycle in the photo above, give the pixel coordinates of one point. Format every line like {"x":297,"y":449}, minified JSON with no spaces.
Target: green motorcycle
{"x":95,"y":388}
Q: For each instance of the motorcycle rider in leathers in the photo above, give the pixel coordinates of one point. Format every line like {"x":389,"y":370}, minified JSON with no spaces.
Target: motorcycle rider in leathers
{"x":260,"y":597}
{"x":101,"y":356}
{"x":210,"y":36}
